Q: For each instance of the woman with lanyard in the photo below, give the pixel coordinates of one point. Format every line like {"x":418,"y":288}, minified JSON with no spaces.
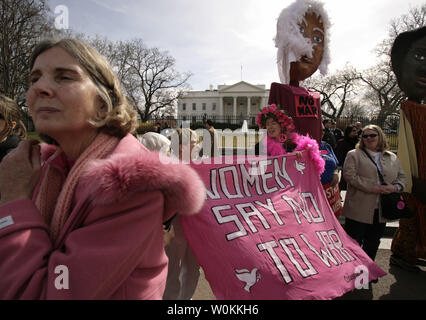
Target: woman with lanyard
{"x":364,"y":221}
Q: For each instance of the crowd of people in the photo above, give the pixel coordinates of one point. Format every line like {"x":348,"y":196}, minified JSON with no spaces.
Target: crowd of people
{"x":95,"y":199}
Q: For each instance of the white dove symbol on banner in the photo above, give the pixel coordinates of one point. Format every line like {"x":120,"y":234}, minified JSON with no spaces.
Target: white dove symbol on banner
{"x":300,"y":166}
{"x":249,"y":277}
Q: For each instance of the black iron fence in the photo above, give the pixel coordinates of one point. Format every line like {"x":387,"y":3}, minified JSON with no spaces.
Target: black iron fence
{"x":389,"y":124}
{"x":198,"y":121}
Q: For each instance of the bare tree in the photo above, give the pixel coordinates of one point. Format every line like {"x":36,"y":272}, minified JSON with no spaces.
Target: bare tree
{"x":336,"y":90}
{"x":149,"y":77}
{"x":355,"y":110}
{"x":22,"y":24}
{"x":382,"y":88}
{"x":415,"y":18}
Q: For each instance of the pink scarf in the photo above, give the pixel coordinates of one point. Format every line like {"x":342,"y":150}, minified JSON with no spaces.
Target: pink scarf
{"x":55,"y":193}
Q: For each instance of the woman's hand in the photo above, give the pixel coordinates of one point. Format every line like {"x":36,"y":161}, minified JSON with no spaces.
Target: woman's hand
{"x":335,"y":179}
{"x":385,"y":189}
{"x":389,"y":188}
{"x":298,"y":154}
{"x":168,"y":236}
{"x":378,"y":189}
{"x":20,"y":171}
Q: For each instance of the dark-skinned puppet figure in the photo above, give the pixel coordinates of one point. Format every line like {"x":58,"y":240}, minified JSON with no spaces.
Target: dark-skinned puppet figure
{"x":302,"y":40}
{"x":408,"y":57}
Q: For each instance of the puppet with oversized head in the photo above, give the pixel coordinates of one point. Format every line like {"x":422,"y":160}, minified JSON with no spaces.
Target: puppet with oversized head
{"x":408,"y":57}
{"x":302,"y":40}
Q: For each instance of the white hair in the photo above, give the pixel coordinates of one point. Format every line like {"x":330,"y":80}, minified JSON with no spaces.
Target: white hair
{"x":290,"y":42}
{"x":156,"y":142}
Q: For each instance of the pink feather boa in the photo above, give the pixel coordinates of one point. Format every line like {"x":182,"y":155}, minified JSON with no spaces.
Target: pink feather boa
{"x":275,"y":148}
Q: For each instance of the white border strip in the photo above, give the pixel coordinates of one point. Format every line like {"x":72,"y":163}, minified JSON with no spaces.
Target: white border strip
{"x":5,"y":222}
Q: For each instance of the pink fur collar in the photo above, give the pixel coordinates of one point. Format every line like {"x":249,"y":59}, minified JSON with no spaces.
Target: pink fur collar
{"x":122,"y":175}
{"x":311,"y":145}
{"x":275,"y":148}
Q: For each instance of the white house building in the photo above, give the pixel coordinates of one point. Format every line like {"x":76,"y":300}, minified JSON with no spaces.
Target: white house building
{"x":229,"y":103}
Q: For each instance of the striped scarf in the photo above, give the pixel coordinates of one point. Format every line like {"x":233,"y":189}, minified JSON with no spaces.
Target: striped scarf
{"x":55,"y":192}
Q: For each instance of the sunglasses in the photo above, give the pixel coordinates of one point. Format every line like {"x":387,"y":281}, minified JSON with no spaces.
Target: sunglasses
{"x":373,"y":135}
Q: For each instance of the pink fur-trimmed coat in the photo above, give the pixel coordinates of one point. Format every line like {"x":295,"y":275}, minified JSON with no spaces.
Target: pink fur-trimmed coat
{"x":111,"y":246}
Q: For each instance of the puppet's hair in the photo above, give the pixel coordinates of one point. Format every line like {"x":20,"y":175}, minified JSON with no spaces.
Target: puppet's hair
{"x":290,"y":42}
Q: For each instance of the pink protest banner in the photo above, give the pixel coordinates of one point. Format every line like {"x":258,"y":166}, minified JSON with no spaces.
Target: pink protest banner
{"x":267,"y":232}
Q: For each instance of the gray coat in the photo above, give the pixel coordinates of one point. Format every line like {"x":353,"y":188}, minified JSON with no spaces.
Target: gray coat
{"x":361,"y":175}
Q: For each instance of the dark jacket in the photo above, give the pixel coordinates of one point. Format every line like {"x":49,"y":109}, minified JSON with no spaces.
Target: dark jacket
{"x":329,"y":138}
{"x":342,"y":148}
{"x":8,"y":145}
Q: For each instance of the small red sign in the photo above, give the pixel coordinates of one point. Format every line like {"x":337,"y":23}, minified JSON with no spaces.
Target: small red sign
{"x":333,"y":197}
{"x":306,"y":106}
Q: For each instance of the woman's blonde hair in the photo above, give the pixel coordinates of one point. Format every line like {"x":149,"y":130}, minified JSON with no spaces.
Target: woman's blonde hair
{"x":382,"y":144}
{"x":10,"y":112}
{"x":118,"y":118}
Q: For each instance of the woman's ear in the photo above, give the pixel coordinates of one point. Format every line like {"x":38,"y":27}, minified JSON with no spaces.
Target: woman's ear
{"x":13,"y":124}
{"x":102,"y":108}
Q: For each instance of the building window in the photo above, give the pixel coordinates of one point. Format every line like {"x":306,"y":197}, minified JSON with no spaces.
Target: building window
{"x":194,"y":106}
{"x":184,"y":106}
{"x":204,"y":106}
{"x":214,"y":106}
{"x":194,"y":119}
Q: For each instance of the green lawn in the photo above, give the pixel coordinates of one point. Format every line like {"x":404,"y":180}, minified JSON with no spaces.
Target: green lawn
{"x":33,"y":135}
{"x":392,"y":140}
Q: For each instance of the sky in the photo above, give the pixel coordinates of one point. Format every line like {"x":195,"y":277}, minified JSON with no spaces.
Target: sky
{"x":226,"y":41}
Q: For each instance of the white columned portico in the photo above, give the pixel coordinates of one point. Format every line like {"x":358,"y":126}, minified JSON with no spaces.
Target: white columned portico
{"x":235,"y":107}
{"x":263,"y":102}
{"x":248,"y":106}
{"x":226,"y":102}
